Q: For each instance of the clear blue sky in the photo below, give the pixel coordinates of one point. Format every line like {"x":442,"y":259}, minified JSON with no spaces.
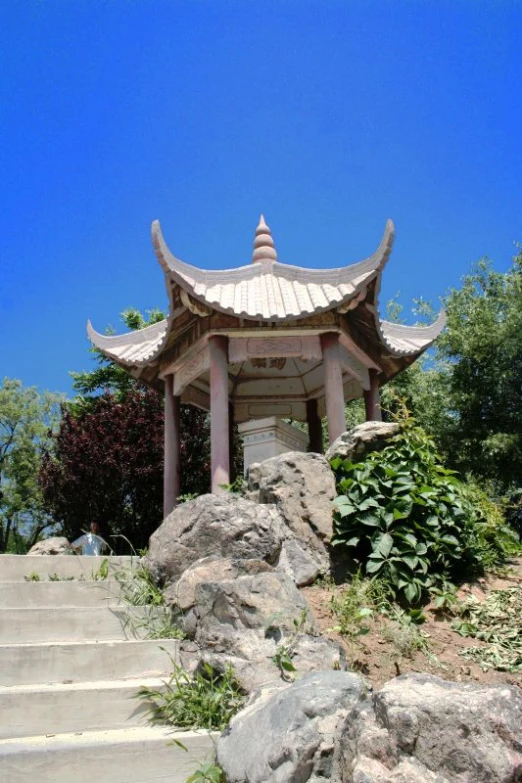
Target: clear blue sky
{"x":327,"y":116}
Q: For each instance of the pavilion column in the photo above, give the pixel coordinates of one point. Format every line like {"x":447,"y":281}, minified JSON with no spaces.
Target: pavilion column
{"x":333,"y":385}
{"x":232,"y":467}
{"x":219,"y":413}
{"x":315,"y":430}
{"x":171,"y":468}
{"x":372,"y":401}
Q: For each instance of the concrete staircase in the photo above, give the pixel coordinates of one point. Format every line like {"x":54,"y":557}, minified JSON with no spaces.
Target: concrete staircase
{"x":70,"y":666}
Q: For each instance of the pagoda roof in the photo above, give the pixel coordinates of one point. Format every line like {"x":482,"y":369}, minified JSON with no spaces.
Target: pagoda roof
{"x":271,"y":292}
{"x":268,"y":290}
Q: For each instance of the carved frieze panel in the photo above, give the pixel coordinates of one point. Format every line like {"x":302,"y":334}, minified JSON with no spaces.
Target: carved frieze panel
{"x":192,"y":368}
{"x":274,"y":348}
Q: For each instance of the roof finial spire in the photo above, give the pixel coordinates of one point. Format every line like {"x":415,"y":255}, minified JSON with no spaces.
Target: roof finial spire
{"x":264,"y":249}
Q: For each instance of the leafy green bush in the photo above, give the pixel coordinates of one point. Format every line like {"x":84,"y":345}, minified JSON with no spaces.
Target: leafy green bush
{"x":406,"y":519}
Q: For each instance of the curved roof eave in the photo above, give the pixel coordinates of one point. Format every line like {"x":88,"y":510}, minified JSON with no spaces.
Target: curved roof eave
{"x":410,"y":340}
{"x":132,"y":349}
{"x":273,"y":291}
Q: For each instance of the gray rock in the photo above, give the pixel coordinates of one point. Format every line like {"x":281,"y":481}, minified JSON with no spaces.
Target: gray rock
{"x":357,"y":443}
{"x":416,"y":729}
{"x":368,"y":770}
{"x":302,"y":486}
{"x":288,"y":735}
{"x":465,"y":732}
{"x":256,"y":598}
{"x":255,"y":668}
{"x":223,"y":525}
{"x":58,"y":545}
{"x":182,"y":594}
{"x":300,"y":566}
{"x":239,"y":612}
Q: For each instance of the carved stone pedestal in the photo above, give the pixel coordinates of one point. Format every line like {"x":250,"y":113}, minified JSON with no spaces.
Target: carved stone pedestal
{"x":265,"y":438}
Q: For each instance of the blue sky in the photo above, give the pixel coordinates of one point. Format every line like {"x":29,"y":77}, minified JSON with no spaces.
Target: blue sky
{"x":327,"y":116}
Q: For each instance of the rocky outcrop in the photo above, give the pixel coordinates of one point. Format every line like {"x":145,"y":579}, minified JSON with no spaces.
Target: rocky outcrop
{"x":58,"y":545}
{"x":228,"y":526}
{"x":287,"y":736}
{"x":462,"y":732}
{"x":416,"y":729}
{"x":357,"y":443}
{"x":241,"y":612}
{"x":302,"y":486}
{"x":222,"y":525}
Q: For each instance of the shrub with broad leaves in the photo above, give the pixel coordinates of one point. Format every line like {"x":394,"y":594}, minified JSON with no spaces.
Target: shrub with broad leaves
{"x":404,"y":518}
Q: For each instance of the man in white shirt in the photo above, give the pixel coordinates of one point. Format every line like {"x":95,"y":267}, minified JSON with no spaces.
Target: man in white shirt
{"x":91,"y":543}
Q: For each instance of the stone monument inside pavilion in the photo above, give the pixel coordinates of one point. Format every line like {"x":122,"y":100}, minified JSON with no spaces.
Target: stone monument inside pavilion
{"x":266,"y":340}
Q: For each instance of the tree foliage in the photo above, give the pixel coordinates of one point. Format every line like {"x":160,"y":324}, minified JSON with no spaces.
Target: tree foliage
{"x":106,"y":461}
{"x":467,"y":391}
{"x":107,"y":465}
{"x":26,"y":416}
{"x":483,"y":350}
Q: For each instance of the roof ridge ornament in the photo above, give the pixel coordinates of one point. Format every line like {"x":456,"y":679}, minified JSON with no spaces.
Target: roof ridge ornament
{"x":264,"y":248}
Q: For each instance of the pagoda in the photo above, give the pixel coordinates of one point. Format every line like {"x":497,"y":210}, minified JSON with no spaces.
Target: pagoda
{"x":266,"y":339}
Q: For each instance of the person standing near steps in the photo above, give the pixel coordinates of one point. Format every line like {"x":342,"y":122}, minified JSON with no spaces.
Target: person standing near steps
{"x":91,"y":543}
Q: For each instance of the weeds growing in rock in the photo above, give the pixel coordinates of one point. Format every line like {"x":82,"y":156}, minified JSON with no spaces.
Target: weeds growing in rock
{"x":208,"y":772}
{"x":352,"y":607}
{"x":205,"y":700}
{"x":286,"y":650}
{"x":137,"y":589}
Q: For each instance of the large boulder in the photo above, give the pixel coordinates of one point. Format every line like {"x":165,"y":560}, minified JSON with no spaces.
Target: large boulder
{"x":465,"y":733}
{"x":357,"y":443}
{"x":288,"y":735}
{"x":241,"y":612}
{"x":223,"y":525}
{"x":302,"y":486}
{"x":58,"y":545}
{"x":416,"y":729}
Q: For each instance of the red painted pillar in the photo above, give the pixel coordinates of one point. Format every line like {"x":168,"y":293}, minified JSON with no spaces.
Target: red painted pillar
{"x":372,"y":401}
{"x":171,"y":466}
{"x":219,"y":413}
{"x":333,"y":385}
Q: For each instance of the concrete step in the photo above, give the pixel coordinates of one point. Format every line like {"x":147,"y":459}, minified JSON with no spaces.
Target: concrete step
{"x":27,"y":595}
{"x":30,"y":710}
{"x":67,"y":662}
{"x":74,"y":624}
{"x":136,"y":755}
{"x":21,"y":568}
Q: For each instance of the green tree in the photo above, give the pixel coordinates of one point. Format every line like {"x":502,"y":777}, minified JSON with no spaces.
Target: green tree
{"x":483,"y":349}
{"x":106,"y":460}
{"x":26,"y":418}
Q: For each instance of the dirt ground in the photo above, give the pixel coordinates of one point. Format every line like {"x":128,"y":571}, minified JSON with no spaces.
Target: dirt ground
{"x":389,"y":650}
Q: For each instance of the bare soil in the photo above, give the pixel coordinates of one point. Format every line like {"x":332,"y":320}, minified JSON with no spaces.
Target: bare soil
{"x":387,"y":650}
